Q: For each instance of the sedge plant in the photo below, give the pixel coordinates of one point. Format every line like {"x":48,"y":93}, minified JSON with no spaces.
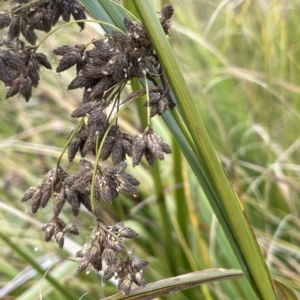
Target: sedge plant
{"x":134,"y":50}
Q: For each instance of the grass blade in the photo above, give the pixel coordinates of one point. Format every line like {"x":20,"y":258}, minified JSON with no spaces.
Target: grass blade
{"x":284,"y":291}
{"x":171,"y":285}
{"x":252,"y":261}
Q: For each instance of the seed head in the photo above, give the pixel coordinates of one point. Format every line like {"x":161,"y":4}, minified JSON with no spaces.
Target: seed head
{"x":151,"y":145}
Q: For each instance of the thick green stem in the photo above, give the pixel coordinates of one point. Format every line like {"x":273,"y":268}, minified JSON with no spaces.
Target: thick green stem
{"x":182,"y":212}
{"x":252,"y":260}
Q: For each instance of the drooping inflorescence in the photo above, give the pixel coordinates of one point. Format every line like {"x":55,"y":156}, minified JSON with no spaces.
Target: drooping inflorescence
{"x":102,"y":72}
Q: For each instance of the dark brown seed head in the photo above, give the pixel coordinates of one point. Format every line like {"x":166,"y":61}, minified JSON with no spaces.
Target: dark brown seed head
{"x":138,"y":149}
{"x":5,"y":20}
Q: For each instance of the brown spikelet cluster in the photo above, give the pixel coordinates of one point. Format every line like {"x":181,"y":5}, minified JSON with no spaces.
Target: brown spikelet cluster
{"x":158,"y":103}
{"x":20,"y":63}
{"x":57,"y":229}
{"x":108,"y":253}
{"x":117,"y":145}
{"x":113,"y":61}
{"x":151,"y":145}
{"x":19,"y":69}
{"x":102,"y":70}
{"x":26,"y":16}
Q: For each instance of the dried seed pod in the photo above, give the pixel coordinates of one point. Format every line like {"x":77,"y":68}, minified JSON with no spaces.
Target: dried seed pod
{"x":72,"y":198}
{"x":158,"y":103}
{"x":124,"y":284}
{"x":14,"y":28}
{"x":71,"y":229}
{"x":42,"y":60}
{"x":150,"y":157}
{"x":28,"y":32}
{"x":83,"y":265}
{"x":97,"y":264}
{"x":28,"y":194}
{"x":59,"y":238}
{"x":110,"y":257}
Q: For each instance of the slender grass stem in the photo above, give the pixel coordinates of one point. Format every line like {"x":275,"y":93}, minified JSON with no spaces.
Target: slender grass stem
{"x":124,"y":9}
{"x":69,"y":141}
{"x":148,"y":100}
{"x":99,"y":152}
{"x":29,"y":4}
{"x":74,"y":22}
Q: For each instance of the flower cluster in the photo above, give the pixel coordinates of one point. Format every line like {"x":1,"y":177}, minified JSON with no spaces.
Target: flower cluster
{"x":76,"y":188}
{"x":19,"y":69}
{"x":40,"y":195}
{"x":158,"y":103}
{"x":113,"y":61}
{"x":26,"y":16}
{"x":85,"y":138}
{"x":20,"y":64}
{"x":102,"y":72}
{"x":57,"y":229}
{"x":108,"y":252}
{"x":151,"y":145}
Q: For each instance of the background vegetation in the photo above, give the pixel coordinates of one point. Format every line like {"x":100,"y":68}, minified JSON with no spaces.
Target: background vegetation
{"x":241,"y":62}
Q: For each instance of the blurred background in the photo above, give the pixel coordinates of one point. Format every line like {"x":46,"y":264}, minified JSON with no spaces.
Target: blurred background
{"x":241,"y":60}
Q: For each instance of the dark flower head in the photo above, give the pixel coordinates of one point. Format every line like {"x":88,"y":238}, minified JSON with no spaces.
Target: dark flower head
{"x":40,"y":15}
{"x":41,"y":194}
{"x":118,"y":144}
{"x":5,"y":19}
{"x":158,"y":104}
{"x":151,"y":145}
{"x":165,"y":16}
{"x":131,"y":270}
{"x":57,"y":228}
{"x":70,"y":56}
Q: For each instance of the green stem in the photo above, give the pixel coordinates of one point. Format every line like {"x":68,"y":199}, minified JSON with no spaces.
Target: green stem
{"x":99,"y":153}
{"x":29,"y":4}
{"x":97,"y":142}
{"x":181,"y":205}
{"x":74,"y":22}
{"x":252,"y":260}
{"x":166,"y":226}
{"x":148,"y":100}
{"x":125,"y":10}
{"x":183,"y":128}
{"x":69,"y":141}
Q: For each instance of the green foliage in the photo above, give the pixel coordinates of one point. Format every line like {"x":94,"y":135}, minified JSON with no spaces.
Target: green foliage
{"x":241,"y":64}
